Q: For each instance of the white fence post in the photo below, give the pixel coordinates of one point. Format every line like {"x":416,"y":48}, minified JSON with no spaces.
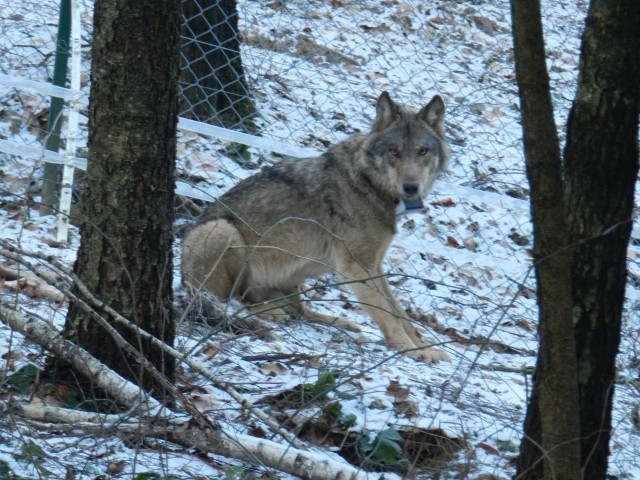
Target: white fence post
{"x":72,"y":130}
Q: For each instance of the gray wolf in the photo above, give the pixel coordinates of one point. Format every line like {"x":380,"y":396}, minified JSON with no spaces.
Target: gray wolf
{"x":336,"y":213}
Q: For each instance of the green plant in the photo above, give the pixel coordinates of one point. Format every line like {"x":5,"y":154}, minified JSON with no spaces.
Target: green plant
{"x":313,"y":392}
{"x":23,"y":379}
{"x":32,"y":454}
{"x":239,"y":153}
{"x":384,"y":448}
{"x":153,"y":476}
{"x":334,"y":410}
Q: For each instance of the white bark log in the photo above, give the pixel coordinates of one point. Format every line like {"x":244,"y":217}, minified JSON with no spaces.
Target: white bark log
{"x":44,"y":334}
{"x":34,"y":287}
{"x":301,"y":463}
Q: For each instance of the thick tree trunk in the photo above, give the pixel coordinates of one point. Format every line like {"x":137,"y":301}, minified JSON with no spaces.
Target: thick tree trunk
{"x":601,"y":167}
{"x":213,"y":85}
{"x":550,"y":447}
{"x":125,"y":256}
{"x":600,"y":172}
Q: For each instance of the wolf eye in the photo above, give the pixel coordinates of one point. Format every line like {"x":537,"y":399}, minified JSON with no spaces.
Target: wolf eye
{"x":423,"y":151}
{"x":394,"y":151}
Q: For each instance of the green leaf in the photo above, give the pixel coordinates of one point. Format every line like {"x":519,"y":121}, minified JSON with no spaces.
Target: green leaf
{"x":365,"y":443}
{"x":71,"y":399}
{"x":31,"y":450}
{"x":507,"y":446}
{"x":152,"y":476}
{"x":5,"y":471}
{"x":23,"y":379}
{"x":347,"y":420}
{"x":32,"y":454}
{"x":385,"y":448}
{"x":239,"y":153}
{"x":326,"y":381}
{"x":390,"y":434}
{"x":333,"y":409}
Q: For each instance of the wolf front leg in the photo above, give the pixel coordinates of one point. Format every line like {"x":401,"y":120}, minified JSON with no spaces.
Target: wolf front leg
{"x":374,"y":293}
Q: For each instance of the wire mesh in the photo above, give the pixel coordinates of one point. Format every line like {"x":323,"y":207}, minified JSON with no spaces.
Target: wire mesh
{"x":306,"y":74}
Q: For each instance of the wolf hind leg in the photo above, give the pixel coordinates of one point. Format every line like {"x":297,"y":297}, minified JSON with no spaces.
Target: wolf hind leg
{"x":213,"y":258}
{"x":304,"y":311}
{"x":269,"y":303}
{"x":278,"y":304}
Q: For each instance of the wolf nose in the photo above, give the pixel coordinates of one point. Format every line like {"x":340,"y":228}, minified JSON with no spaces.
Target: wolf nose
{"x":410,"y":189}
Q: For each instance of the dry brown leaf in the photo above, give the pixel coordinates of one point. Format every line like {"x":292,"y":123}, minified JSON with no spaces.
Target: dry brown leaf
{"x":398,"y":392}
{"x":488,"y":448}
{"x":445,"y":202}
{"x":209,"y":350}
{"x":273,"y":369}
{"x":51,"y":242}
{"x":452,"y":242}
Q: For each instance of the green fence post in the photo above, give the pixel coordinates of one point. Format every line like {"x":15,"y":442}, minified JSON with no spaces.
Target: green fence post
{"x":50,"y":179}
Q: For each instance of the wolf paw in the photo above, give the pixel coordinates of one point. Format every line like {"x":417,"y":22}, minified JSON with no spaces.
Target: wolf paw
{"x":429,"y":355}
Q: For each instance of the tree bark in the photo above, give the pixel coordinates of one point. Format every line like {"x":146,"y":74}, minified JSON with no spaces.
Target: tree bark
{"x":550,"y":448}
{"x":213,"y":85}
{"x":601,"y":167}
{"x":125,"y":256}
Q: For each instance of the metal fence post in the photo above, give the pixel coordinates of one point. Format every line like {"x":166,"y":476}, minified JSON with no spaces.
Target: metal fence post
{"x":50,"y":179}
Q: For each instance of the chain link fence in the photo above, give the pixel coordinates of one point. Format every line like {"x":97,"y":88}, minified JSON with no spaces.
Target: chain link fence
{"x":277,"y":78}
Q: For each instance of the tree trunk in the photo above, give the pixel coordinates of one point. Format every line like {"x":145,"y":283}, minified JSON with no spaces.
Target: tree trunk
{"x":550,"y":447}
{"x":600,"y":172}
{"x":213,"y":81}
{"x":601,"y":167}
{"x":125,"y":255}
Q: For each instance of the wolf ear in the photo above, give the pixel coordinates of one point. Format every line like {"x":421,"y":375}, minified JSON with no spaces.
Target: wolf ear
{"x":386,"y":112}
{"x":433,"y":114}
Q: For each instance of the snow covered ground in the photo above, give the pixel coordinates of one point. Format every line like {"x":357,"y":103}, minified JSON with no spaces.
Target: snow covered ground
{"x":463,"y":264}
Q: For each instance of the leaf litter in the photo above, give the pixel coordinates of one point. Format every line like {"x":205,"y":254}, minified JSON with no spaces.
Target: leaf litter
{"x":461,"y":266}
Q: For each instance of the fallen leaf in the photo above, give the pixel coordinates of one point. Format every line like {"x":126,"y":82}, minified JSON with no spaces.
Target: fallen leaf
{"x":257,"y":431}
{"x":274,"y":5}
{"x":52,"y":243}
{"x":378,"y":404}
{"x":470,"y":243}
{"x":115,"y":468}
{"x":446,"y":202}
{"x":398,"y":392}
{"x":452,"y":242}
{"x":488,"y":448}
{"x":408,"y":408}
{"x":432,"y":230}
{"x":273,"y":369}
{"x":210,"y":350}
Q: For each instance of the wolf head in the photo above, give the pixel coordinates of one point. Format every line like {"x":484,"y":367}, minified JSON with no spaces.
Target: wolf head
{"x":407,"y":150}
